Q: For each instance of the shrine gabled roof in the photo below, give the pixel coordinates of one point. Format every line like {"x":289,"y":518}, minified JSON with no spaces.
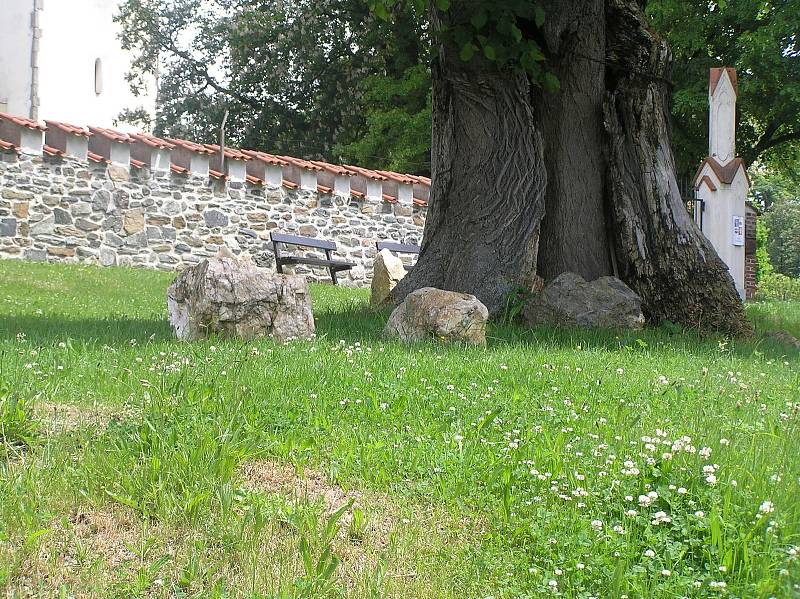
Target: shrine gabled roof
{"x":726,"y":174}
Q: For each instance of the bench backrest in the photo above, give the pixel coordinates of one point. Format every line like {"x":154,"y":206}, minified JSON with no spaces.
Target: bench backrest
{"x":403,"y":248}
{"x":321,"y":244}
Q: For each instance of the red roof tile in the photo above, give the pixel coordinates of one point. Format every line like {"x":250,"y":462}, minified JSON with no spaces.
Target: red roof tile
{"x":22,"y":122}
{"x":254,"y":180}
{"x":324,"y":189}
{"x":290,"y":184}
{"x":111,"y":134}
{"x":301,"y":163}
{"x":67,"y":128}
{"x":190,"y":145}
{"x":152,"y":141}
{"x":229,"y":152}
{"x":97,"y":158}
{"x":137,"y":163}
{"x":216,"y":174}
{"x":405,"y":179}
{"x":358,"y":194}
{"x":365,"y":172}
{"x":390,"y":199}
{"x":180,"y":170}
{"x":264,"y":157}
{"x":51,"y":151}
{"x":420,"y":179}
{"x":4,"y":145}
{"x":418,"y":202}
{"x":333,"y":168}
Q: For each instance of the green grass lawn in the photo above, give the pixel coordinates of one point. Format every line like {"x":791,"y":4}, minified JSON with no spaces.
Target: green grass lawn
{"x":551,"y":463}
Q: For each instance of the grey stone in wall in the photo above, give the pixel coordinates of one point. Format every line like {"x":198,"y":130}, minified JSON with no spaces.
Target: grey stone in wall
{"x":66,"y":211}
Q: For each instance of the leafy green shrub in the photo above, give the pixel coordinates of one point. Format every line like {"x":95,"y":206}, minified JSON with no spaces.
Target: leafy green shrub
{"x":775,"y":286}
{"x":18,"y":427}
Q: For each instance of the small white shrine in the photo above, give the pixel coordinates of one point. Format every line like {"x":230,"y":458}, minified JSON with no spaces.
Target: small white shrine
{"x":721,"y":183}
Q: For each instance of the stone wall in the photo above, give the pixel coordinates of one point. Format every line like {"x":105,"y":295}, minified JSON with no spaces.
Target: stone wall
{"x":58,"y":209}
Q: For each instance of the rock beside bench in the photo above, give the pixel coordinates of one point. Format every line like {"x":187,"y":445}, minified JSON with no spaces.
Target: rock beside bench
{"x":387,"y":272}
{"x":444,"y":315}
{"x":235,"y":298}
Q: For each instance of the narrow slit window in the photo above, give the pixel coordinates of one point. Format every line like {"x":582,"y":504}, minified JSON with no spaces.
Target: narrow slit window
{"x":98,"y":76}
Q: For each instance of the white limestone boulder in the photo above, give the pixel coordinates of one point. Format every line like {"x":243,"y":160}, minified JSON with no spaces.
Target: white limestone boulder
{"x":387,"y":271}
{"x":444,"y":315}
{"x":234,"y":298}
{"x":570,"y":301}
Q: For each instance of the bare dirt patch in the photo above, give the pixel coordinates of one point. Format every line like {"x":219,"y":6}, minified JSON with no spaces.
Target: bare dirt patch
{"x":272,"y":477}
{"x":60,"y":418}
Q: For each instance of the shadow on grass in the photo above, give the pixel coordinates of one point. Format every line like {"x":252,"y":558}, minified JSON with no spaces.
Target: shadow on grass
{"x":361,"y":323}
{"x":111,"y":331}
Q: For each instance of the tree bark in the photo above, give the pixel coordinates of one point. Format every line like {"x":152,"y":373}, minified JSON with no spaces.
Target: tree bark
{"x":574,"y":235}
{"x":660,"y":252}
{"x":481,"y":232}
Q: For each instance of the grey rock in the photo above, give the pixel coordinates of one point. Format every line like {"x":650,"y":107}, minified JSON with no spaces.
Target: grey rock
{"x":46,"y":226}
{"x":35,"y":255}
{"x":8,"y":227}
{"x":215,"y":218}
{"x":86,"y":225}
{"x":431,"y":313}
{"x":114,"y":240}
{"x":62,"y":216}
{"x":107,"y":256}
{"x":81,"y":208}
{"x":570,"y":301}
{"x":232,"y":298}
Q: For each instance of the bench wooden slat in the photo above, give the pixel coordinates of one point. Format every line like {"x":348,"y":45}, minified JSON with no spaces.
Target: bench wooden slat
{"x":393,"y":246}
{"x":335,"y":264}
{"x":322,"y":244}
{"x":328,"y":262}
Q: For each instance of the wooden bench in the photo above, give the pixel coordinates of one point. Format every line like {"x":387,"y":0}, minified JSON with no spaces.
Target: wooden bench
{"x":401,"y":248}
{"x":328,"y":262}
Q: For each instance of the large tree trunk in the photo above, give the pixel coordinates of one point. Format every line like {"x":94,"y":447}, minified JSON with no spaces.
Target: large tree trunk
{"x":574,"y":235}
{"x":660,"y":252}
{"x":487,"y":201}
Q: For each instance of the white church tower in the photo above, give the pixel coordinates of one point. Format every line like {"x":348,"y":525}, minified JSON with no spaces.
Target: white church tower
{"x":62,"y":60}
{"x":721,"y":184}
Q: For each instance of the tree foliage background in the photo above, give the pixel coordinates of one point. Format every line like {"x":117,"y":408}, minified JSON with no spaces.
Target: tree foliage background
{"x":314,"y":78}
{"x":340,"y":80}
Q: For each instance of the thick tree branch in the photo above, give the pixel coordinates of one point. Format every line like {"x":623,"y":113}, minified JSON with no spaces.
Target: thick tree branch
{"x":167,"y":43}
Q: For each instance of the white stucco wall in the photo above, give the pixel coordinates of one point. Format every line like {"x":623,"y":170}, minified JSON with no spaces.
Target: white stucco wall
{"x":16,"y":38}
{"x":74,"y":34}
{"x":720,"y":208}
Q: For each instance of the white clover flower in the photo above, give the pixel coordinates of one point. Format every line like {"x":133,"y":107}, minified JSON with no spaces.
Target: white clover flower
{"x":705,"y":453}
{"x":700,"y":514}
{"x":553,"y":584}
{"x":682,"y":491}
{"x":579,"y":566}
{"x":597,"y":524}
{"x":649,"y":553}
{"x":724,"y":442}
{"x":666,"y":572}
{"x":711,"y":479}
{"x":766,"y":508}
{"x":631,"y":513}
